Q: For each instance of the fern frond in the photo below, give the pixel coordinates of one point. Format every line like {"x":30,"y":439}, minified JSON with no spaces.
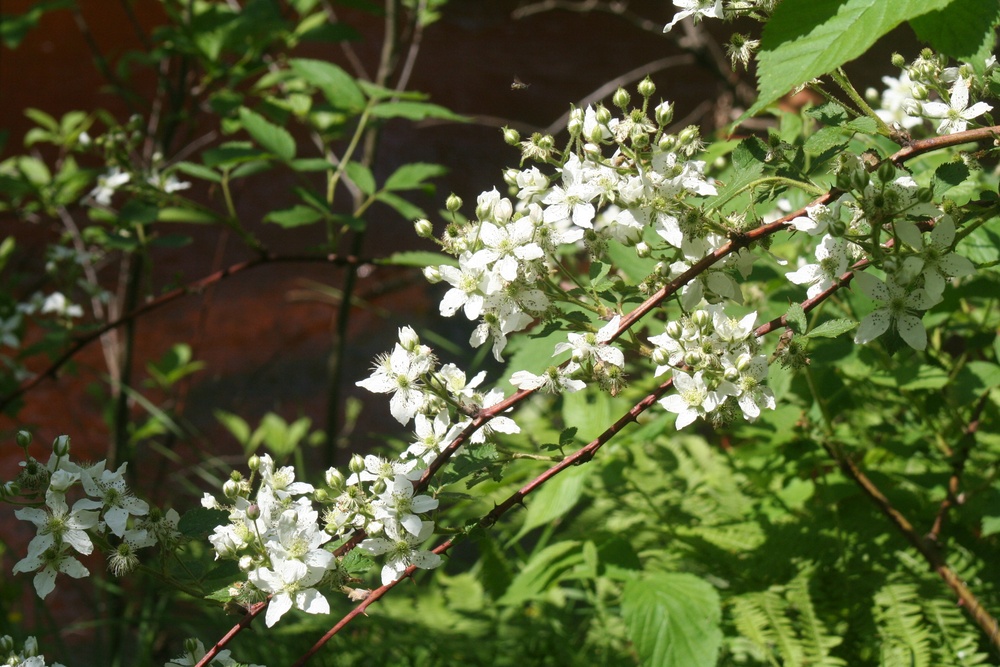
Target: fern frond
{"x":816,"y":639}
{"x":905,"y":637}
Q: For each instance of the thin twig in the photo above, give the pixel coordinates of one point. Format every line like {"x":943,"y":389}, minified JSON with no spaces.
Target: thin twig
{"x":927,"y":549}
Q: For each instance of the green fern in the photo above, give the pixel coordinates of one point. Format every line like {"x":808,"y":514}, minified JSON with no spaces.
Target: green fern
{"x":818,"y":642}
{"x":905,"y":636}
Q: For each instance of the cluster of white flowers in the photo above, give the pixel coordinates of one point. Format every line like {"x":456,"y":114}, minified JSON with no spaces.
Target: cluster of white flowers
{"x":109,"y":511}
{"x":917,"y":268}
{"x":906,"y":100}
{"x":716,"y":365}
{"x":28,"y":656}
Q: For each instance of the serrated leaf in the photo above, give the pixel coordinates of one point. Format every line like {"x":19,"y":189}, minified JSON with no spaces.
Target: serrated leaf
{"x":748,"y":163}
{"x":337,"y":86}
{"x":556,"y":497}
{"x":414,"y":175}
{"x":295,"y":216}
{"x":361,"y":176}
{"x":963,"y":30}
{"x":796,"y":318}
{"x":947,"y":176}
{"x":415,"y":111}
{"x":805,"y":39}
{"x":201,"y":521}
{"x":832,"y":328}
{"x":673,"y":619}
{"x":273,"y":139}
{"x":418,"y":258}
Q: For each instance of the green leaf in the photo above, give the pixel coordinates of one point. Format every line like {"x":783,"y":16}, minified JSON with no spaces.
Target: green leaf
{"x":911,"y":377}
{"x":947,"y":176}
{"x":361,"y":176}
{"x":199,"y":171}
{"x":295,"y":216}
{"x":417,"y":258}
{"x":337,"y":86}
{"x":180,"y":214}
{"x":963,"y":30}
{"x":415,"y":111}
{"x":556,"y":497}
{"x":796,"y":318}
{"x":200,"y":522}
{"x":310,"y":164}
{"x":400,"y":205}
{"x":673,"y":619}
{"x":991,"y":526}
{"x":272,"y":138}
{"x":805,"y":39}
{"x":832,"y":329}
{"x":748,"y":162}
{"x":235,"y":425}
{"x":411,"y":176}
{"x":541,"y":572}
{"x":232,"y":153}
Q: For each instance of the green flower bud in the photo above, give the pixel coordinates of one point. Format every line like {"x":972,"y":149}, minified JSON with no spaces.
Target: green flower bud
{"x":453,"y":203}
{"x":897,"y":60}
{"x":664,"y":113}
{"x":674,"y":330}
{"x":575,"y":124}
{"x":335,"y":480}
{"x":231,"y":489}
{"x":667,"y":143}
{"x":639,"y":138}
{"x":603,"y":115}
{"x":253,"y":512}
{"x":254,"y":463}
{"x":379,"y":487}
{"x":643,"y":250}
{"x":688,"y":135}
{"x":511,"y":137}
{"x":357,"y":464}
{"x":621,"y":98}
{"x":432,"y":275}
{"x":60,"y":446}
{"x":925,"y":195}
{"x":660,"y":356}
{"x":424,"y":228}
{"x":23,"y":439}
{"x":647,"y":87}
{"x":886,"y":171}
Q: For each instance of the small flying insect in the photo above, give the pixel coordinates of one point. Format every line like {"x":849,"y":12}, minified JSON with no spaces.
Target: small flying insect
{"x":518,"y":84}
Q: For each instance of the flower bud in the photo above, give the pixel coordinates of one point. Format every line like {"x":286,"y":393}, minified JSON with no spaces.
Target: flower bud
{"x":897,"y":60}
{"x":23,"y":439}
{"x":453,"y":203}
{"x":502,"y":211}
{"x":60,"y":446}
{"x":643,"y":250}
{"x":432,"y":275}
{"x":743,"y":362}
{"x":546,"y":142}
{"x":510,"y":177}
{"x":675,"y":330}
{"x":701,"y":318}
{"x":919,"y":91}
{"x":688,"y":135}
{"x":9,"y":490}
{"x":379,"y":487}
{"x":245,"y":563}
{"x":639,"y":138}
{"x":511,"y":137}
{"x":667,"y":143}
{"x":253,"y":512}
{"x":660,"y":356}
{"x":596,"y":135}
{"x":356,"y":464}
{"x":30,"y":648}
{"x":6,"y":644}
{"x":575,"y":124}
{"x":886,"y":171}
{"x":423,"y":228}
{"x":692,"y":358}
{"x":408,"y":339}
{"x":335,"y":480}
{"x":231,"y":489}
{"x":602,"y":115}
{"x":731,"y":374}
{"x":592,"y":150}
{"x":663,"y":113}
{"x":647,"y":87}
{"x":320,"y":495}
{"x":860,"y":179}
{"x":925,"y":195}
{"x":621,"y":98}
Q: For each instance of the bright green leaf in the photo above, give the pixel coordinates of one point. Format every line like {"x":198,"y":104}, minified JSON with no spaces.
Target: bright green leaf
{"x":411,"y":176}
{"x":415,"y":111}
{"x":673,"y":619}
{"x":832,"y":329}
{"x":556,"y":497}
{"x":272,"y":138}
{"x":361,"y":176}
{"x":805,"y":39}
{"x":401,"y":206}
{"x":418,"y":258}
{"x":337,"y":86}
{"x":295,"y":216}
